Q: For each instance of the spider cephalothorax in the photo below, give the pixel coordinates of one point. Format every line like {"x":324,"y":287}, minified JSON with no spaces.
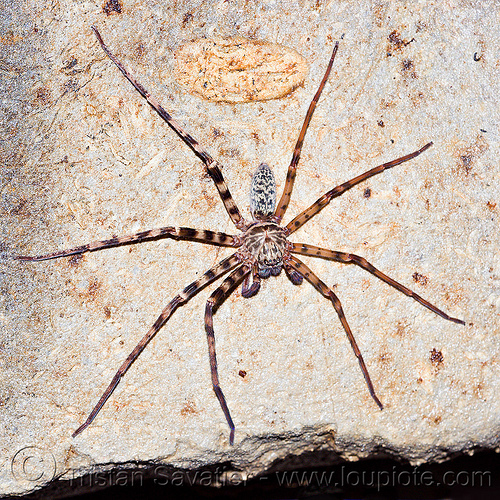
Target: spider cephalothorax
{"x":266,"y":243}
{"x":263,"y":248}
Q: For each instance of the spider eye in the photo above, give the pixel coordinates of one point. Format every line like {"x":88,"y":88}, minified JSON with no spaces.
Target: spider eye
{"x":263,"y":192}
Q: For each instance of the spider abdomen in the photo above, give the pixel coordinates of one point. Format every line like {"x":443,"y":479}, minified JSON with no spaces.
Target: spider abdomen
{"x":263,"y":193}
{"x":266,"y":243}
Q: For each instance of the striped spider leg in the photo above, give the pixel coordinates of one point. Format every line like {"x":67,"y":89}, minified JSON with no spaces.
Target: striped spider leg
{"x":295,"y":265}
{"x":180,"y":233}
{"x":180,"y":299}
{"x":213,"y":168}
{"x":263,"y":249}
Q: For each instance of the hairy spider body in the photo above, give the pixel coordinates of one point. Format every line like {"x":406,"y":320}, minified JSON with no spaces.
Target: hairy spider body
{"x":263,"y":248}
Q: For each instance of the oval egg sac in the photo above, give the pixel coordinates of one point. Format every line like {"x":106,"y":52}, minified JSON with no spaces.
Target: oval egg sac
{"x":238,"y":69}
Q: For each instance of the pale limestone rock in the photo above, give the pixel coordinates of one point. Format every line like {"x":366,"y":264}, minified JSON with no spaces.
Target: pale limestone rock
{"x":86,"y":159}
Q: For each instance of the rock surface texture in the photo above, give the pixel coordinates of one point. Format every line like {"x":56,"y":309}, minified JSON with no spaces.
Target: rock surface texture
{"x":85,"y":158}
